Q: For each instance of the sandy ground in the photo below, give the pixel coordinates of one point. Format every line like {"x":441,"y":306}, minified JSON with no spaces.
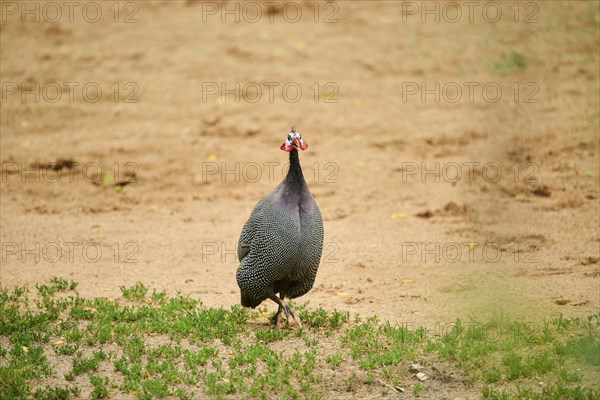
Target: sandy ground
{"x":191,"y":153}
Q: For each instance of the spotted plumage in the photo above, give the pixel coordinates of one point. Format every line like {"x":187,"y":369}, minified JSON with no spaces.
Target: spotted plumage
{"x":281,"y":243}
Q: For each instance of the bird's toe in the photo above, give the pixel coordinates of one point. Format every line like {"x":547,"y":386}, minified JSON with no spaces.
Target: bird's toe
{"x":277,"y":319}
{"x":291,"y":315}
{"x":280,"y":325}
{"x":297,"y":321}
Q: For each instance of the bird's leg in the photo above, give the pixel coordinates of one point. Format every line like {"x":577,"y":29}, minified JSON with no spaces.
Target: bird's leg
{"x":277,"y":318}
{"x":291,"y":312}
{"x":286,"y":309}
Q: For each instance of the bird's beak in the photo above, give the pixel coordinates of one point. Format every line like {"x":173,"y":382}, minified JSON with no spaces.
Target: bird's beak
{"x":300,"y":143}
{"x":294,"y":144}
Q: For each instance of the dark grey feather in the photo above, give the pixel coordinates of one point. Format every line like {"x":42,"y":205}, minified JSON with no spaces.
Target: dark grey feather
{"x":281,"y":243}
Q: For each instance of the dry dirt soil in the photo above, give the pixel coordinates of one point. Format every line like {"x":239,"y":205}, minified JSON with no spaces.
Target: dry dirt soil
{"x":151,"y":178}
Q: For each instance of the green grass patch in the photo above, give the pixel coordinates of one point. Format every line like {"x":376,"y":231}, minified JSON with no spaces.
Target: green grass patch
{"x":136,"y":292}
{"x":153,"y":346}
{"x":56,"y":393}
{"x":510,"y":62}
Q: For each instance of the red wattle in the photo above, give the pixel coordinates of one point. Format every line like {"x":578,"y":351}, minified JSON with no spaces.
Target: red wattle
{"x":284,"y":148}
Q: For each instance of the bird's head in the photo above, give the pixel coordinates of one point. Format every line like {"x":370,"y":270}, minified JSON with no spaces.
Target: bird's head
{"x":248,"y":300}
{"x":247,"y":282}
{"x":294,"y":140}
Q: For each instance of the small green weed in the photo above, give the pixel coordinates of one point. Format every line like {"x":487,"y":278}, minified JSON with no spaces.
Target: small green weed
{"x":511,"y":62}
{"x":136,"y":292}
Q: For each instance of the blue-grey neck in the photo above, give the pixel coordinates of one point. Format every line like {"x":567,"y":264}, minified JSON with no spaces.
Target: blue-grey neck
{"x":296,"y":191}
{"x":294,"y":177}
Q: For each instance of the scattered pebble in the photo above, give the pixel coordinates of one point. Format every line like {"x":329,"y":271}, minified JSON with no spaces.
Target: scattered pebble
{"x":400,"y":389}
{"x":421,"y":376}
{"x":415,"y":367}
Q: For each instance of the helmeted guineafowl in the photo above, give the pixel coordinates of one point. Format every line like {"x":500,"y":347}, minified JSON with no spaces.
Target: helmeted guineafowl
{"x":281,"y":243}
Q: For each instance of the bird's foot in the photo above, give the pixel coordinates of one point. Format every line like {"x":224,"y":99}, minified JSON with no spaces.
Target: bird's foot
{"x":292,"y":319}
{"x":290,"y":313}
{"x":279,"y":325}
{"x":277,"y":320}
